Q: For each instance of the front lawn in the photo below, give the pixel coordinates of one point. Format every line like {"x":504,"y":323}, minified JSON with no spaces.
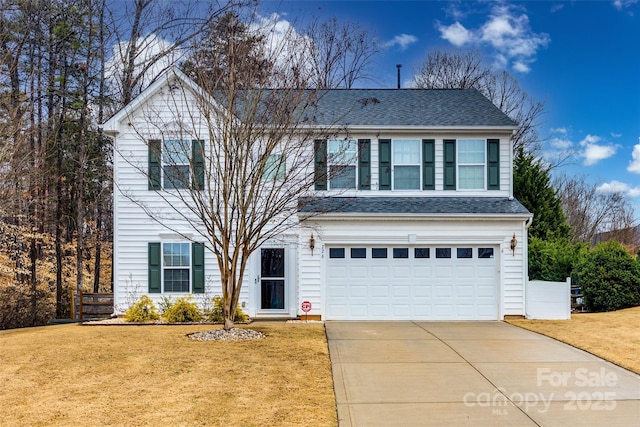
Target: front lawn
{"x":154,"y":375}
{"x":614,"y":336}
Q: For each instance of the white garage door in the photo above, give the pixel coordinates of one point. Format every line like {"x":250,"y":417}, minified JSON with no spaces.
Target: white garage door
{"x":412,"y":283}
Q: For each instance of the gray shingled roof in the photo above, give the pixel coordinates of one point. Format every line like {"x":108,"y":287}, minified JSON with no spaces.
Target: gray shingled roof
{"x":408,"y":107}
{"x":413,"y":205}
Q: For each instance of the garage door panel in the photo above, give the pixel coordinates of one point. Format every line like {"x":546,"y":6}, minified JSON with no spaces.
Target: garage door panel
{"x":380,"y":272}
{"x":359,"y":272}
{"x":412,"y":288}
{"x":401,"y":272}
{"x":379,"y":291}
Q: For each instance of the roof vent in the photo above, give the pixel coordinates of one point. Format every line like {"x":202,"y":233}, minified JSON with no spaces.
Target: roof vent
{"x":398,"y":66}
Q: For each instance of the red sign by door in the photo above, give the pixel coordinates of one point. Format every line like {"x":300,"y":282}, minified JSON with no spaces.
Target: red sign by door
{"x":306,"y":306}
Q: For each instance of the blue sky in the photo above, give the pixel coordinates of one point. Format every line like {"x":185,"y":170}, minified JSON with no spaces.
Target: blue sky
{"x":581,"y":58}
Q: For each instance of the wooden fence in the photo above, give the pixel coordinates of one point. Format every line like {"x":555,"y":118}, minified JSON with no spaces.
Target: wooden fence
{"x":92,"y":305}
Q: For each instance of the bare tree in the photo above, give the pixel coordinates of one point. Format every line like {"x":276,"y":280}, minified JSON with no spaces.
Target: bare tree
{"x":244,"y":157}
{"x":340,"y":53}
{"x":466,"y":70}
{"x":149,"y":37}
{"x":590,"y":212}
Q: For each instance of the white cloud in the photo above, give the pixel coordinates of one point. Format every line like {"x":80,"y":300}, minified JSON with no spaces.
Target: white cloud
{"x":559,"y":130}
{"x":619,"y":187}
{"x":589,"y":140}
{"x":634,"y":164}
{"x":507,"y":31}
{"x":456,"y":34}
{"x":561,"y":143}
{"x":556,"y":7}
{"x":402,"y":40}
{"x":148,"y":48}
{"x":615,"y":135}
{"x":622,"y":4}
{"x":594,"y":153}
{"x":521,"y":67}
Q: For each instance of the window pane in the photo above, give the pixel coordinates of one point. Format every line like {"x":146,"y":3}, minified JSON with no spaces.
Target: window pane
{"x":471,"y":177}
{"x":485,"y":252}
{"x":336,"y":252}
{"x":176,"y":280}
{"x":464,"y":253}
{"x":272,"y":262}
{"x":421,"y":253}
{"x":358,"y":252}
{"x":342,"y":176}
{"x":406,"y":177}
{"x":443,"y":252}
{"x":471,"y":151}
{"x":406,"y":152}
{"x":176,"y":254}
{"x":378,"y":252}
{"x":342,"y":152}
{"x":176,"y":151}
{"x":401,"y":252}
{"x":275,"y":167}
{"x":176,"y":177}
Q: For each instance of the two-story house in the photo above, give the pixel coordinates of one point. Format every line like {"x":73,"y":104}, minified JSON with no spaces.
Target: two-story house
{"x":420,"y":223}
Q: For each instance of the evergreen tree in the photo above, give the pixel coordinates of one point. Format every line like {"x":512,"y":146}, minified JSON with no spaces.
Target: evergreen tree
{"x":532,"y":187}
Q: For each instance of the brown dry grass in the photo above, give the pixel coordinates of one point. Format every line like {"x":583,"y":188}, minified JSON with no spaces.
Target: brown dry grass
{"x":614,"y":336}
{"x":76,"y":375}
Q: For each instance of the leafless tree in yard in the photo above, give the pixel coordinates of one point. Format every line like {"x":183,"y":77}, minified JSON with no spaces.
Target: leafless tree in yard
{"x":465,"y":70}
{"x":246,"y":152}
{"x":590,"y":211}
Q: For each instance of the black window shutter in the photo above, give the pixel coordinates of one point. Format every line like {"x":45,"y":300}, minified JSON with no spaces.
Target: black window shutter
{"x":449,"y":164}
{"x":197,"y":268}
{"x":198,"y":164}
{"x":429,"y":164}
{"x":155,"y":267}
{"x":364,"y":164}
{"x":384,"y":164}
{"x":320,"y":170}
{"x":155,"y":165}
{"x":493,"y":164}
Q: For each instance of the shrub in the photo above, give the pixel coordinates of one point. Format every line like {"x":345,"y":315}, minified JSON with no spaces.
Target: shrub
{"x":144,"y":310}
{"x":216,"y":314}
{"x":182,"y":310}
{"x":17,"y":308}
{"x":553,"y":260}
{"x":609,"y":277}
{"x":165,"y":304}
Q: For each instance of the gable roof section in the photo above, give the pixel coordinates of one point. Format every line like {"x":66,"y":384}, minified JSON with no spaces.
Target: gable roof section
{"x":490,"y":206}
{"x":409,"y":107}
{"x":111,"y":125}
{"x":432,"y":108}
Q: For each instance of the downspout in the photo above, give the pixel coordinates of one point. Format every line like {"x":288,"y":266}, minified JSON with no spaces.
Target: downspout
{"x":525,"y":256}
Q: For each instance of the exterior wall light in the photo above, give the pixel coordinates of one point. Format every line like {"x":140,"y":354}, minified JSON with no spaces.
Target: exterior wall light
{"x":312,"y":243}
{"x":514,"y":243}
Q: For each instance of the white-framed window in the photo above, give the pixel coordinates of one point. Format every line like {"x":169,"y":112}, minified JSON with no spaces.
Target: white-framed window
{"x":406,"y":164}
{"x":176,"y":267}
{"x":176,"y":170}
{"x":471,"y":164}
{"x":342,"y":161}
{"x":275,"y":167}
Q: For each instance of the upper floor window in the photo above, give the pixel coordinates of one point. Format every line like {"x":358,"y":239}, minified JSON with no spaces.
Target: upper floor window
{"x":342,"y":162}
{"x":471,"y":164}
{"x":175,"y":164}
{"x":406,"y":164}
{"x":176,"y":170}
{"x":275,"y":167}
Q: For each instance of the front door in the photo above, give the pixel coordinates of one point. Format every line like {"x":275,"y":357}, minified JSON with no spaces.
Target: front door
{"x":272,"y":279}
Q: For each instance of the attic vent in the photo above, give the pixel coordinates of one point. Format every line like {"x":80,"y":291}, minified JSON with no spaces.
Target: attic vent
{"x":366,"y":101}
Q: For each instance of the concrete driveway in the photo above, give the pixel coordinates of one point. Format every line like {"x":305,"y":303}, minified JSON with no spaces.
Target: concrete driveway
{"x":475,"y":374}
